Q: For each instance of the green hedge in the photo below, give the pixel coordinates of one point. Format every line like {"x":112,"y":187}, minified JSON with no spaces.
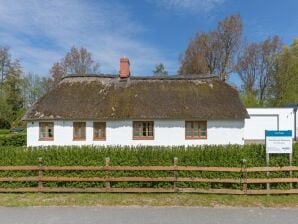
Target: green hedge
{"x":4,"y":131}
{"x":13,"y":139}
{"x":227,"y":156}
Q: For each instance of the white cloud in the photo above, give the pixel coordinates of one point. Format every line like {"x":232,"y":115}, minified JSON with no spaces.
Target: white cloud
{"x":40,"y":32}
{"x":188,"y":6}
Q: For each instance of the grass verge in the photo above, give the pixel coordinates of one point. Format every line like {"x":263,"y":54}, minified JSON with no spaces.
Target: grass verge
{"x":205,"y":200}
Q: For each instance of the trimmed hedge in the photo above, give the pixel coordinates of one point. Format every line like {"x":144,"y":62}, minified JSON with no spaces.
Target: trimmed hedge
{"x":4,"y":131}
{"x":227,"y":156}
{"x":13,"y":139}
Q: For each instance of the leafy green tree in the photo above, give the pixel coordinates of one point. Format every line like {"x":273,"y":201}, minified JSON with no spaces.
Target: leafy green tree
{"x":160,"y":70}
{"x":12,"y":87}
{"x":250,"y":100}
{"x":5,"y":64}
{"x":32,"y":89}
{"x":285,"y":85}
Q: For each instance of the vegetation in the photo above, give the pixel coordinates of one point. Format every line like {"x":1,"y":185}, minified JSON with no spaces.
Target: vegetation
{"x":160,"y":70}
{"x":267,"y":70}
{"x":149,"y":199}
{"x":227,"y":156}
{"x":75,"y":62}
{"x":214,"y":52}
{"x":18,"y":91}
{"x":12,"y":139}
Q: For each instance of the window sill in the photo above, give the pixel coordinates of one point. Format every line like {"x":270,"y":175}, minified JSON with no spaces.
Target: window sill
{"x":143,"y":138}
{"x":99,"y":139}
{"x":79,"y":139}
{"x":45,"y":139}
{"x":199,"y":138}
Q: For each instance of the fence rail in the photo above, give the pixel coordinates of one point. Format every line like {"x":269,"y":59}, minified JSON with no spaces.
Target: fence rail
{"x":241,"y":179}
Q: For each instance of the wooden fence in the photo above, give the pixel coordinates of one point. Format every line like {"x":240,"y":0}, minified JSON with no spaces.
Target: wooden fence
{"x":242,"y":179}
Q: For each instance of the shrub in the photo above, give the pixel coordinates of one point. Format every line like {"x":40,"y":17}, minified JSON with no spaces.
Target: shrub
{"x":18,"y":139}
{"x":4,"y":131}
{"x":4,"y":124}
{"x":227,"y":156}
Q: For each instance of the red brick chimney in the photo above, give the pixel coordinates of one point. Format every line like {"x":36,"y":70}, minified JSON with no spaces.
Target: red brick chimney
{"x":124,"y":67}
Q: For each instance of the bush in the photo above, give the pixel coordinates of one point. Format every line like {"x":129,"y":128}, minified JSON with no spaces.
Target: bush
{"x":18,"y":139}
{"x":227,"y":156}
{"x":4,"y":124}
{"x":4,"y":131}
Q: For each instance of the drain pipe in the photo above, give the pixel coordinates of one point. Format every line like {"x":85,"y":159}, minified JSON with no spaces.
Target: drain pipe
{"x":295,"y":123}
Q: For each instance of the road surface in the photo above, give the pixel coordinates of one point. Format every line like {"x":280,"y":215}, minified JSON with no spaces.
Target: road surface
{"x":146,"y":215}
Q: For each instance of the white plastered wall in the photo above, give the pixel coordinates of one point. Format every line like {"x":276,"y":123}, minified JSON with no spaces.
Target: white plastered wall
{"x":166,"y":133}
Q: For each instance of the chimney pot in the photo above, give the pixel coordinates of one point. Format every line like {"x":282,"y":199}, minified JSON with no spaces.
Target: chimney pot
{"x":124,"y":67}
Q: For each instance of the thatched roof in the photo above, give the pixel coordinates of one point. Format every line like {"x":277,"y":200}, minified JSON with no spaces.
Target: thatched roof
{"x":111,"y":98}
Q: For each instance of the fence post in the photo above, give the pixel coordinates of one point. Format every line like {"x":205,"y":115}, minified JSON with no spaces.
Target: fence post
{"x":175,"y":173}
{"x":267,"y":173}
{"x":40,"y":172}
{"x":107,"y":164}
{"x":291,"y":171}
{"x":244,"y":175}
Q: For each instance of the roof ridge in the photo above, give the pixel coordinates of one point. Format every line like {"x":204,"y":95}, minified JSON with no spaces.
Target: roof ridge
{"x":168,"y":77}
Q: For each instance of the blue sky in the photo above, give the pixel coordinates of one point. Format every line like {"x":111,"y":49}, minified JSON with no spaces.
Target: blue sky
{"x":149,"y":32}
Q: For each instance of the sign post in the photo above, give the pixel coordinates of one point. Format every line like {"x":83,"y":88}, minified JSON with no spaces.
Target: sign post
{"x":278,"y":142}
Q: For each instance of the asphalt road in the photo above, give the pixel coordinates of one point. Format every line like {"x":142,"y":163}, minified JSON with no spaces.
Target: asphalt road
{"x":146,"y":215}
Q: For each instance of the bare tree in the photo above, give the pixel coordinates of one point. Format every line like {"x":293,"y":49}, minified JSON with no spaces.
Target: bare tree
{"x":229,"y":33}
{"x":247,"y":68}
{"x":214,"y":52}
{"x":76,"y":62}
{"x":270,"y":49}
{"x":80,"y":62}
{"x":256,"y":66}
{"x":57,"y":72}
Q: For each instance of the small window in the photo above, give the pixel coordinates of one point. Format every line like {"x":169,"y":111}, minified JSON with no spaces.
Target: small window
{"x":46,"y":131}
{"x":79,"y":131}
{"x":143,"y":130}
{"x":99,"y":131}
{"x":196,"y":129}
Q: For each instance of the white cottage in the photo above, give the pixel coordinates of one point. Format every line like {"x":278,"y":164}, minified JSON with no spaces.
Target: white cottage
{"x":136,"y":110}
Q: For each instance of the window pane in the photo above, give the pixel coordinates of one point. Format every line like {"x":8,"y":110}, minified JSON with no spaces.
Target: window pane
{"x":83,"y":131}
{"x":136,"y":130}
{"x":43,"y":132}
{"x":50,"y":133}
{"x":150,"y":129}
{"x":203,"y":134}
{"x":99,"y":130}
{"x":143,"y":129}
{"x":196,"y":129}
{"x":203,"y":128}
{"x":76,"y":132}
{"x":188,"y":129}
{"x":79,"y":130}
{"x":46,"y":130}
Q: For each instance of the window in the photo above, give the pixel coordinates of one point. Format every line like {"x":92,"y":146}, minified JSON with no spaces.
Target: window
{"x":143,"y":130}
{"x":46,"y":131}
{"x":79,"y":131}
{"x":99,"y":130}
{"x":196,"y":129}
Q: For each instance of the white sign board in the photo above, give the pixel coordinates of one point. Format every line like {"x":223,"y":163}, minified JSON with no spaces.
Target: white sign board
{"x":279,"y":142}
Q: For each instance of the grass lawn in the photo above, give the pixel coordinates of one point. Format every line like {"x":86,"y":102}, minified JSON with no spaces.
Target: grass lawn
{"x":150,"y":199}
